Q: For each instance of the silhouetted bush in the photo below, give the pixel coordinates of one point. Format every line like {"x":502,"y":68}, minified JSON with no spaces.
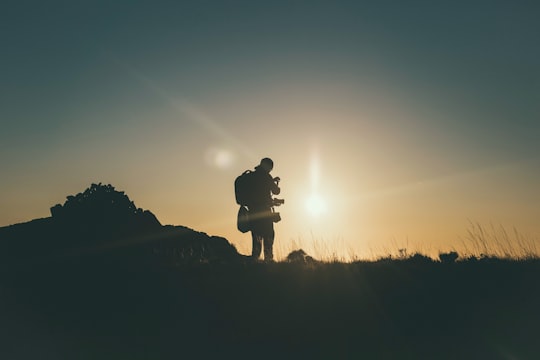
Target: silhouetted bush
{"x":97,"y":201}
{"x":449,"y":257}
{"x":101,"y":210}
{"x":418,"y":258}
{"x":300,"y":256}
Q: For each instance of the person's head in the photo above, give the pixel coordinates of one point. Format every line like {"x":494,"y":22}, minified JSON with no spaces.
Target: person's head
{"x":266,"y":165}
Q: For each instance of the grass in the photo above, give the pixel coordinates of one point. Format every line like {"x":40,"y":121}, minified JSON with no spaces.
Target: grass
{"x":498,"y":241}
{"x":480,"y":241}
{"x":326,"y":251}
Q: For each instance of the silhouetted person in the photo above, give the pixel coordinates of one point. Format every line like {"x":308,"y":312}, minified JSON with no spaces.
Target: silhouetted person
{"x":261,"y":211}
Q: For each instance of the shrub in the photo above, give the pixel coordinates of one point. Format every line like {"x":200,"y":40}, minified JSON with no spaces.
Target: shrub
{"x":448,"y":257}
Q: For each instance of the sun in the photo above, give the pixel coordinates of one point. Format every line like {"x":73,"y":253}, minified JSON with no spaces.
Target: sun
{"x":315,"y":205}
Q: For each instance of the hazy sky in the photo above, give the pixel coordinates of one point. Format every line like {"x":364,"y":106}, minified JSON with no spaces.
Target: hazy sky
{"x":406,"y":120}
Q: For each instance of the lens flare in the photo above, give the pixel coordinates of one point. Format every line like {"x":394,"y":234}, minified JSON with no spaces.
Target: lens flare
{"x":220,"y":158}
{"x":315,"y":205}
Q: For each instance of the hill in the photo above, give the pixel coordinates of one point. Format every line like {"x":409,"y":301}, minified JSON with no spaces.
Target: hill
{"x":104,"y":222}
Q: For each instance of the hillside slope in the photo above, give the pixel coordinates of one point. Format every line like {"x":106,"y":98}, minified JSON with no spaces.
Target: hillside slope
{"x":104,"y":222}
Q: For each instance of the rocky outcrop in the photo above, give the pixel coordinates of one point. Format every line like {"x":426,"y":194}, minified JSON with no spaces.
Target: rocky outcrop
{"x":104,"y":221}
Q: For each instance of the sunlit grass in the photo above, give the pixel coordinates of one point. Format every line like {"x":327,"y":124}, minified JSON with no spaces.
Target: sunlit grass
{"x":479,"y":241}
{"x":335,"y":250}
{"x":498,"y":241}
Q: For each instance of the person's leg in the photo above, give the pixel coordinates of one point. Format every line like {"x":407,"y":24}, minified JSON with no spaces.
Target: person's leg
{"x":256,"y":248}
{"x":269,"y":242}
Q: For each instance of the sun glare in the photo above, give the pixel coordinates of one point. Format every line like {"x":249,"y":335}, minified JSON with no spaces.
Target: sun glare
{"x":315,"y":205}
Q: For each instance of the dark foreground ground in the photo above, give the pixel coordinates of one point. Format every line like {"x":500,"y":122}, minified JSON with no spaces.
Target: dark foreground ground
{"x":399,"y":309}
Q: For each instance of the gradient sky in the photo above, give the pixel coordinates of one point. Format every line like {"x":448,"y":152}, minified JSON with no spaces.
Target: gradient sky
{"x":409,"y":121}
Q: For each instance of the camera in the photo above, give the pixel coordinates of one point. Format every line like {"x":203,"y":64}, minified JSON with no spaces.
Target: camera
{"x":277,"y":202}
{"x":276,"y":217}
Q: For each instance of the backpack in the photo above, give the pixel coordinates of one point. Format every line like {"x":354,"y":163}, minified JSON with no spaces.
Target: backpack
{"x":244,"y":188}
